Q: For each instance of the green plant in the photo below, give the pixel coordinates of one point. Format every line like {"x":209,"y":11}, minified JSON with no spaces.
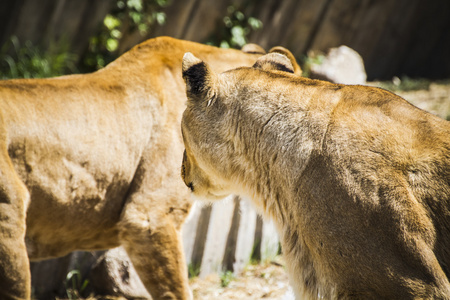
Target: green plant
{"x":235,"y":29}
{"x":226,"y":277}
{"x":127,"y":18}
{"x":406,"y":83}
{"x":74,"y":284}
{"x":29,"y":61}
{"x":255,"y":256}
{"x":313,"y":58}
{"x":193,"y":270}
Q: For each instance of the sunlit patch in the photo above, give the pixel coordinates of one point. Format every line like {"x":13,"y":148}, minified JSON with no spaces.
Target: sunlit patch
{"x":209,"y":197}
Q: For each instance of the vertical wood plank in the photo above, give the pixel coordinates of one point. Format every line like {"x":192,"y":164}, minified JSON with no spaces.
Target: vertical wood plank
{"x":201,"y":232}
{"x":189,"y":230}
{"x":218,"y":230}
{"x":229,"y":257}
{"x":246,"y":234}
{"x":270,"y":242}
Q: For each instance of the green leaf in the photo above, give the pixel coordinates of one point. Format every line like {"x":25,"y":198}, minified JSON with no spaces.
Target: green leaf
{"x":112,"y":45}
{"x":161,"y":18}
{"x":240,"y":16}
{"x":254,"y":23}
{"x":135,"y":4}
{"x":224,"y":44}
{"x":238,"y":36}
{"x":136,"y":17}
{"x":111,"y":22}
{"x":115,"y":33}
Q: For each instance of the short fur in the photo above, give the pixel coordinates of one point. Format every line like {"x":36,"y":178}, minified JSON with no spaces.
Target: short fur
{"x":356,"y":179}
{"x":92,"y":161}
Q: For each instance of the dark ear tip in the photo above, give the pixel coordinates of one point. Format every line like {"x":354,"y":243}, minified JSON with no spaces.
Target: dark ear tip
{"x":196,"y":78}
{"x":198,"y":69}
{"x":195,"y":73}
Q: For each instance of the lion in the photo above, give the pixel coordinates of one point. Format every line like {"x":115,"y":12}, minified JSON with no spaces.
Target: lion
{"x":356,"y":179}
{"x":91,"y":162}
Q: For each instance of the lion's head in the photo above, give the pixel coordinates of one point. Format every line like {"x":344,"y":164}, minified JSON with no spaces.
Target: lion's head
{"x":209,"y":102}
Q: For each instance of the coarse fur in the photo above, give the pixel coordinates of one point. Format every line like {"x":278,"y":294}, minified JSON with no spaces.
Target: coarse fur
{"x":356,"y":179}
{"x":92,"y":162}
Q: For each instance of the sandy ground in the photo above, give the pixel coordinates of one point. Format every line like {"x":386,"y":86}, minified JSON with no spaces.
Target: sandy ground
{"x":262,"y":281}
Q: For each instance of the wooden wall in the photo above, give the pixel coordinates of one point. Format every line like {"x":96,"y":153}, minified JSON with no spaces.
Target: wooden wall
{"x":394,"y":37}
{"x":45,"y":21}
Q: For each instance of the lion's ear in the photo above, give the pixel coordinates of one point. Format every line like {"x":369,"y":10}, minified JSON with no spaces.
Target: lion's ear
{"x":253,"y":49}
{"x":290,"y":56}
{"x":196,"y":74}
{"x":274,"y":62}
{"x":281,"y":59}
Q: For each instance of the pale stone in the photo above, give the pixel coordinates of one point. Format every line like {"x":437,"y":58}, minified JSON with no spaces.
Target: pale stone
{"x":340,"y":65}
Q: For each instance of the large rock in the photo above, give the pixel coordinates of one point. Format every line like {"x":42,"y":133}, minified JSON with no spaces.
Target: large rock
{"x":114,"y":275}
{"x":340,"y":65}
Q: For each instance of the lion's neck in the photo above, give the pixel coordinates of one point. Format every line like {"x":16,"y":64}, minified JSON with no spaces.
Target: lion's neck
{"x":272,"y":147}
{"x":275,"y":147}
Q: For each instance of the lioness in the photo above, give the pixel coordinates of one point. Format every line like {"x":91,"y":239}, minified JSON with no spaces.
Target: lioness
{"x":92,"y":162}
{"x":356,"y":179}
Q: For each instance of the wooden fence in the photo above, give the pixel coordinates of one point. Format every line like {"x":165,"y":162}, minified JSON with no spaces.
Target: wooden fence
{"x":226,"y":236}
{"x":393,"y":37}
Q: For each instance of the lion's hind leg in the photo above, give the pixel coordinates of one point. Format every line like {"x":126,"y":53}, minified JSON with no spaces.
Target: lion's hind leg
{"x":14,"y":265}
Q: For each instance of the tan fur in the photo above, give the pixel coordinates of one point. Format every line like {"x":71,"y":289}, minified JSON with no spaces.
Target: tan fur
{"x":356,"y":179}
{"x":92,"y":161}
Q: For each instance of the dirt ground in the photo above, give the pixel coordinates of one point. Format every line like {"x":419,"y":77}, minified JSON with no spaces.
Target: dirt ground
{"x":262,"y":281}
{"x":269,"y":280}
